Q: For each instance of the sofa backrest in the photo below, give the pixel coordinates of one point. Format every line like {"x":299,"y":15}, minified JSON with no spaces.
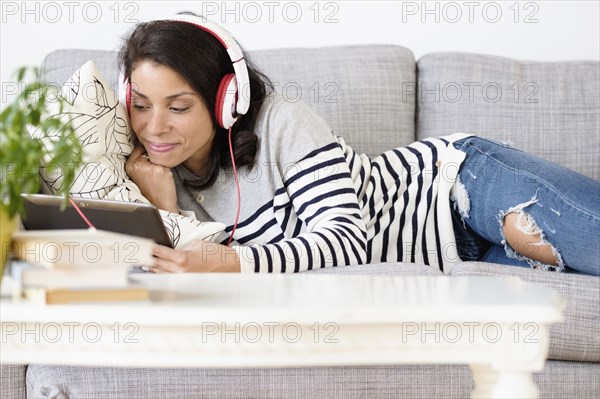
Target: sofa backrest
{"x":370,"y":95}
{"x":551,"y":109}
{"x":356,"y":89}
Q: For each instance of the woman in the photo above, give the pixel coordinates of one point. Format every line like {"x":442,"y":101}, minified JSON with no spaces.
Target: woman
{"x":308,"y":200}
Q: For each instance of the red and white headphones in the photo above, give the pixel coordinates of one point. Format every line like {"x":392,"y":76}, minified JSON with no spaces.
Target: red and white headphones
{"x":231,"y":101}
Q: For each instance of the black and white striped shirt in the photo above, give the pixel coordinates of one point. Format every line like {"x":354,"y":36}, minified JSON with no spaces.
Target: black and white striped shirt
{"x":310,"y":201}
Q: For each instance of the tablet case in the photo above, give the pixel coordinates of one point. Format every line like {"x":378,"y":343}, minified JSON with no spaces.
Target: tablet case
{"x":43,"y":212}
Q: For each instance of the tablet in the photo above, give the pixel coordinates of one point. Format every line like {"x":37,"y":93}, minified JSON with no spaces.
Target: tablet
{"x":143,"y":220}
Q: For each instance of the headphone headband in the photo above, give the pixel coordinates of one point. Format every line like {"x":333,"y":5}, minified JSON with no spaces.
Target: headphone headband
{"x":233,"y":50}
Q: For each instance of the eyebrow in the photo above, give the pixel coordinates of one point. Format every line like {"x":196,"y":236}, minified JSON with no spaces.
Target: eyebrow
{"x":172,"y":96}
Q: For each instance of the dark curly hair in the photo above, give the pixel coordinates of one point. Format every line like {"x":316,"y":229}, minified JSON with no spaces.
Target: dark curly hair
{"x":202,"y":61}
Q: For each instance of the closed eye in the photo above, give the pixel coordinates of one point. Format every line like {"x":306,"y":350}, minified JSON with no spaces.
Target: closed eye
{"x":179,"y":110}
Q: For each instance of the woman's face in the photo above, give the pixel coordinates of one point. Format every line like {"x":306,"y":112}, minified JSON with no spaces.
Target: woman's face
{"x":169,"y":117}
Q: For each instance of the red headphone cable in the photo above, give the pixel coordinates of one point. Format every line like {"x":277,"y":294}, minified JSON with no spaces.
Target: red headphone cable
{"x":85,"y":219}
{"x":237,"y":186}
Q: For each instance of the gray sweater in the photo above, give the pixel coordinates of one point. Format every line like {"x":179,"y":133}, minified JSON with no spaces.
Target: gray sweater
{"x":310,"y":201}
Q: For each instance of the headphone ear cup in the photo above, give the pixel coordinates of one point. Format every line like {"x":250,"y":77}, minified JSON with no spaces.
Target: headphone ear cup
{"x":128,"y":97}
{"x":225,"y":101}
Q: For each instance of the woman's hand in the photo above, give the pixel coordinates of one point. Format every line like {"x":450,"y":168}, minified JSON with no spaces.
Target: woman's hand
{"x":196,"y":257}
{"x":154,"y":181}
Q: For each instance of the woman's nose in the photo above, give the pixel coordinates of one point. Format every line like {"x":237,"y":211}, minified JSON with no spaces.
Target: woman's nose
{"x":158,"y":123}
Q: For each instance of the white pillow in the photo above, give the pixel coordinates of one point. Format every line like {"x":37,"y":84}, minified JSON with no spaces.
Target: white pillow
{"x":102,"y":125}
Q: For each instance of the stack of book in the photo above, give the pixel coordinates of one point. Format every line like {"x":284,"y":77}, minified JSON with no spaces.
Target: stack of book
{"x":70,"y":266}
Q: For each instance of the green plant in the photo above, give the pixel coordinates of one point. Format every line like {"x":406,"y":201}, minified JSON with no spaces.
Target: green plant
{"x":36,"y":109}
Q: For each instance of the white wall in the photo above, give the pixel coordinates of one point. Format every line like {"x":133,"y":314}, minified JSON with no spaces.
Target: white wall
{"x":534,"y":30}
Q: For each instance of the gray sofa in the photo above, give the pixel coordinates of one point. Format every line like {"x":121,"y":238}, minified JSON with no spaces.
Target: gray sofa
{"x":377,"y":97}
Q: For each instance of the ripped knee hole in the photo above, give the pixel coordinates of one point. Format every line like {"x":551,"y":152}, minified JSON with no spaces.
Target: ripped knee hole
{"x":526,"y":238}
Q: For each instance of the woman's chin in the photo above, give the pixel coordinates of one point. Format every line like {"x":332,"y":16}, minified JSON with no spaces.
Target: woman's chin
{"x":165,"y":162}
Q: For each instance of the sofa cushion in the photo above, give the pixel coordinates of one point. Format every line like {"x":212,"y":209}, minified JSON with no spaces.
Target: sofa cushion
{"x":356,"y":89}
{"x":558,"y":380}
{"x":550,"y":109}
{"x":103,"y":129}
{"x":12,"y":381}
{"x":578,"y":337}
{"x":382,"y":269}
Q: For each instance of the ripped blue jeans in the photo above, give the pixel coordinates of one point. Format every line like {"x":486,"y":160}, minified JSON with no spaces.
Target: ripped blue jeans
{"x":560,"y":204}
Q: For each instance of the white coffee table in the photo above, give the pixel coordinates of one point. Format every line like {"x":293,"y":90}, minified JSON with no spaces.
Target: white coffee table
{"x":498,"y":326}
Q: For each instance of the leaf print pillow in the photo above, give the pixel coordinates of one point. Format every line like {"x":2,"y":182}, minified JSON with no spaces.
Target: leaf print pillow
{"x":102,"y":125}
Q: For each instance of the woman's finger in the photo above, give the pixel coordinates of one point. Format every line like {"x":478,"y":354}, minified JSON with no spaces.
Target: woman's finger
{"x":132,"y":165}
{"x":137,"y":152}
{"x":156,"y":270}
{"x":168,"y":259}
{"x":167,"y":266}
{"x":164,"y":252}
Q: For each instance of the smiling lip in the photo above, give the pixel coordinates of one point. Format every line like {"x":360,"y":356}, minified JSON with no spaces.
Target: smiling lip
{"x":156,"y":147}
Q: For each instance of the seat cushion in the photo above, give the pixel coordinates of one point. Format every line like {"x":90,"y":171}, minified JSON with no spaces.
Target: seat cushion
{"x":12,"y":381}
{"x":578,"y":337}
{"x":558,"y":380}
{"x":550,"y":109}
{"x":356,"y":89}
{"x":382,"y":269}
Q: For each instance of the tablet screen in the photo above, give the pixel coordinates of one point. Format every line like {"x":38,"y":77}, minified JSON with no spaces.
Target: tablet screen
{"x":143,"y":220}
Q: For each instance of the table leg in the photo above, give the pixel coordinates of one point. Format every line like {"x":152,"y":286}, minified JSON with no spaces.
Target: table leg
{"x":491,"y":383}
